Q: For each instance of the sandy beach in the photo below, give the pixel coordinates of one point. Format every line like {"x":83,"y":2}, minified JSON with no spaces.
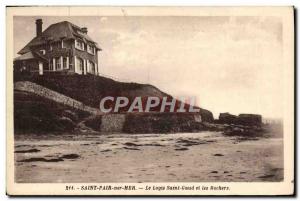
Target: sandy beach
{"x":184,"y":157}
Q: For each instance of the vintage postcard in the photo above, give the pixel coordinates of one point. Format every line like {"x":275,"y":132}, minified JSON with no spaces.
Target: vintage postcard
{"x":150,"y":101}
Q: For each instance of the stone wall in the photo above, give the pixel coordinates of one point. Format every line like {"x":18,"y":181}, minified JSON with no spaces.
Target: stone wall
{"x":52,"y":95}
{"x":145,"y":123}
{"x":162,"y":123}
{"x":112,"y":123}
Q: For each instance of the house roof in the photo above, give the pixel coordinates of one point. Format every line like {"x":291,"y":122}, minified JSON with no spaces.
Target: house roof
{"x":30,"y":55}
{"x":26,"y":56}
{"x":56,"y":32}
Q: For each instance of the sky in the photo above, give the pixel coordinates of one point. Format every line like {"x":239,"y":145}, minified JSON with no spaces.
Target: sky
{"x":229,"y":64}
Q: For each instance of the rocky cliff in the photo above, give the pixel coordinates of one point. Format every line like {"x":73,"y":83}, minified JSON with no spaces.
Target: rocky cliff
{"x":90,"y":89}
{"x":241,"y":119}
{"x":85,"y":92}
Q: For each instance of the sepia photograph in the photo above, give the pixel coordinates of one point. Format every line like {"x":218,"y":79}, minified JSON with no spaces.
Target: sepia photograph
{"x":133,"y":101}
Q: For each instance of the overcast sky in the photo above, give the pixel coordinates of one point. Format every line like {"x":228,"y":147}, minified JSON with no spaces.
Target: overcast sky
{"x":230,"y":64}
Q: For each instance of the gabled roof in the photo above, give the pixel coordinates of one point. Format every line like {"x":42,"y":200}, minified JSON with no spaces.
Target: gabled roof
{"x":56,"y":32}
{"x":30,"y":55}
{"x":26,"y":56}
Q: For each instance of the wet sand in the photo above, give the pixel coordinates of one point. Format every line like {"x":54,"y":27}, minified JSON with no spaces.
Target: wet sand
{"x":183,"y":157}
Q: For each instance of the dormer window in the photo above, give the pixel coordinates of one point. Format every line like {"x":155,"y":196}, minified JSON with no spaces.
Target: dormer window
{"x":91,"y":49}
{"x":79,"y":45}
{"x":43,"y":52}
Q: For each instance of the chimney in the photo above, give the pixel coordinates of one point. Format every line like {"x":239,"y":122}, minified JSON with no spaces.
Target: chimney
{"x":39,"y":27}
{"x":84,"y":30}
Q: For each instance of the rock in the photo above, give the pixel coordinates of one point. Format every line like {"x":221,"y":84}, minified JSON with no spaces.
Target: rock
{"x":218,"y":155}
{"x":206,"y":116}
{"x":42,"y":160}
{"x":241,"y":119}
{"x":69,"y":156}
{"x":28,"y":151}
{"x":188,"y":143}
{"x":154,"y":144}
{"x":106,"y":150}
{"x":131,"y":148}
{"x":181,"y":149}
{"x":249,"y":119}
{"x":242,"y":131}
{"x":266,"y":176}
{"x":93,"y":122}
{"x":227,"y":118}
{"x":213,"y":126}
{"x":237,"y":131}
{"x":67,"y":123}
{"x":130,"y":144}
{"x":71,"y":115}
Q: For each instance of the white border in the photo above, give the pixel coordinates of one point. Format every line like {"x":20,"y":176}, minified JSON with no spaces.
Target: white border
{"x":105,"y":2}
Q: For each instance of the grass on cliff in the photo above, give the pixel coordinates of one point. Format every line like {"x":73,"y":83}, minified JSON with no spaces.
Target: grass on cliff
{"x":90,"y":89}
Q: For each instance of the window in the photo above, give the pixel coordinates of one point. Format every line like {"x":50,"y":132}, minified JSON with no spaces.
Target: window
{"x":51,"y":65}
{"x":91,"y":49}
{"x":43,"y":52}
{"x":79,"y":44}
{"x":65,"y":63}
{"x":91,"y":67}
{"x":58,"y":64}
{"x":79,"y":63}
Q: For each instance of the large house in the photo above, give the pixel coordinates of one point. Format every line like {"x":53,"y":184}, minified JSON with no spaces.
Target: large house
{"x":62,"y":48}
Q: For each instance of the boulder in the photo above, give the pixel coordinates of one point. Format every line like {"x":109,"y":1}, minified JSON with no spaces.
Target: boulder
{"x":241,"y":119}
{"x":66,"y":123}
{"x":70,"y":114}
{"x":249,"y":119}
{"x":227,"y":118}
{"x":206,"y":115}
